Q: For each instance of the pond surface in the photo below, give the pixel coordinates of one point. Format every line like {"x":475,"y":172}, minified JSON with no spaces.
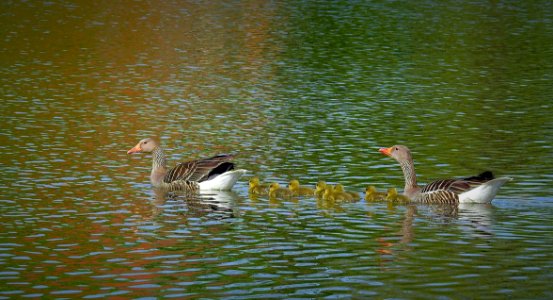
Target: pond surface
{"x":305,"y":90}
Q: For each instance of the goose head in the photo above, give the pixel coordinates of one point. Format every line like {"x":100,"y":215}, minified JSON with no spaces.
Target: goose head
{"x":398,"y":152}
{"x":145,"y":145}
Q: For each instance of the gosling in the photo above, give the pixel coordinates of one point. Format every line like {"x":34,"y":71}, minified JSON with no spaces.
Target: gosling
{"x":275,"y":191}
{"x":256,"y":188}
{"x":298,"y":190}
{"x":393,"y":196}
{"x":339,"y":188}
{"x":320,"y":189}
{"x":371,"y":194}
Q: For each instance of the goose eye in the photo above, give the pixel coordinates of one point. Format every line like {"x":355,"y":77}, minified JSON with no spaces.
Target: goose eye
{"x":145,"y":143}
{"x":397,"y":148}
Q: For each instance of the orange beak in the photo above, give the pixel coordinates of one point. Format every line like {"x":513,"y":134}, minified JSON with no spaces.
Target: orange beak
{"x":135,"y":149}
{"x":386,"y":151}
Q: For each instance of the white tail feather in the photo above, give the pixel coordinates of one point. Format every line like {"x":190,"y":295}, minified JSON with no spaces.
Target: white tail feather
{"x":223,"y":182}
{"x":485,"y":192}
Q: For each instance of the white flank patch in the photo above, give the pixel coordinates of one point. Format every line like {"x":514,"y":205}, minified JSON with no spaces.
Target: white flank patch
{"x":223,"y":182}
{"x":484,"y":193}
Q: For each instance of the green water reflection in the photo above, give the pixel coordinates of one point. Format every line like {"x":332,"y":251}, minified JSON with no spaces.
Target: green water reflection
{"x":306,"y":90}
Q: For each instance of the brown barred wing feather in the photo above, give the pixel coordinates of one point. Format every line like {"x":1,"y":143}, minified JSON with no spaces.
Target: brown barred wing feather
{"x":182,"y":171}
{"x":201,"y":169}
{"x":183,"y":185}
{"x":444,"y":191}
{"x":439,"y":196}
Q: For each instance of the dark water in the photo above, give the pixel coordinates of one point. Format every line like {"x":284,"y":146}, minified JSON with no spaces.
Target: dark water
{"x":304,"y":90}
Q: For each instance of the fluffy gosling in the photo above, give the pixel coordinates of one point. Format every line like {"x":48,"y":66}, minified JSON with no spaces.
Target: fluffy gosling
{"x":257,"y":188}
{"x":395,"y":197}
{"x":275,"y":191}
{"x":320,"y":188}
{"x":339,"y":188}
{"x":298,"y":190}
{"x":371,"y":194}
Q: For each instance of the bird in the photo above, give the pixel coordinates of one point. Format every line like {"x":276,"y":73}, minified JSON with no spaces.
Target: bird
{"x":298,"y":190}
{"x":339,"y":188}
{"x":328,"y":193}
{"x":393,"y":196}
{"x":320,"y":188}
{"x":475,"y":189}
{"x":275,"y":191}
{"x":213,"y":173}
{"x":371,"y":194}
{"x":256,"y":188}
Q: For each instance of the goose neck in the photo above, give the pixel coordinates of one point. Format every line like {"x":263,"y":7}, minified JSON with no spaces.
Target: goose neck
{"x":410,"y":177}
{"x":159,"y":166}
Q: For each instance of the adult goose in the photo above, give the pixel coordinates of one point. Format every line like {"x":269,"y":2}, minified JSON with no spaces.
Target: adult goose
{"x":214,"y":173}
{"x":476,"y":189}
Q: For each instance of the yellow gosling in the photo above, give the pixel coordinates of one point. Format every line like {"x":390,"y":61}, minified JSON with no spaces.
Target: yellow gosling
{"x":340,"y":189}
{"x":257,"y":188}
{"x":320,"y":188}
{"x":298,"y":190}
{"x":275,"y":191}
{"x":395,"y":197}
{"x":328,"y":193}
{"x":339,"y":193}
{"x":371,"y":194}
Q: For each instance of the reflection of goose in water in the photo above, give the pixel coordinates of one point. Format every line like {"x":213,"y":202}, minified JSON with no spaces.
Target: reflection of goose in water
{"x":476,"y":218}
{"x":210,"y":204}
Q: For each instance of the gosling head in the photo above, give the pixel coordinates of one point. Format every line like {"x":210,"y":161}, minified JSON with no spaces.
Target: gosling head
{"x":294,"y":184}
{"x":274,"y":186}
{"x":339,"y":188}
{"x":371,"y":190}
{"x":254,"y":181}
{"x":320,"y":186}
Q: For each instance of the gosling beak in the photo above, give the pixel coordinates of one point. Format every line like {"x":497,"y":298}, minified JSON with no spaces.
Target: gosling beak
{"x":135,"y":149}
{"x":386,"y":151}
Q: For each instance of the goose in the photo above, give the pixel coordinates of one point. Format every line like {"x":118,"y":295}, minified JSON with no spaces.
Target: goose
{"x":298,"y":190}
{"x":213,"y":173}
{"x":256,"y":188}
{"x":476,"y":189}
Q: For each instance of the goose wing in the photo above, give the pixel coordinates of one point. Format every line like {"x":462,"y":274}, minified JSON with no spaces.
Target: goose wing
{"x":201,"y":169}
{"x":448,"y":190}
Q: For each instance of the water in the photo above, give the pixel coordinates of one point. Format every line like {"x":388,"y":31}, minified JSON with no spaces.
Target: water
{"x":304,"y":90}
